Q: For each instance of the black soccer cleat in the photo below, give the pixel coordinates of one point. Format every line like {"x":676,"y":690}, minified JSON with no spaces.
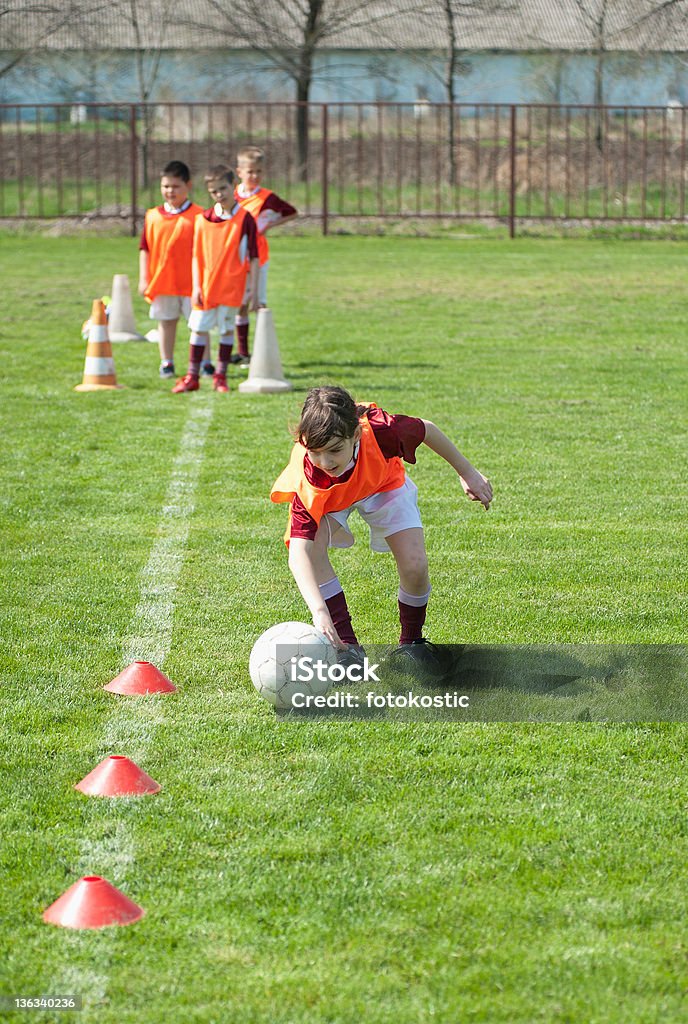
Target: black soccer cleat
{"x":425,"y":661}
{"x":354,"y":654}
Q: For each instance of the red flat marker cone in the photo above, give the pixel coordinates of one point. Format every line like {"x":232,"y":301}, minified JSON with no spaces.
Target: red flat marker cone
{"x":140,"y":677}
{"x":92,"y":902}
{"x":117,"y":776}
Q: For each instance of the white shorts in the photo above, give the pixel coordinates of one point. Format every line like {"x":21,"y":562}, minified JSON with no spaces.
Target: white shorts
{"x":170,"y":307}
{"x":262,"y":287}
{"x":385,"y":514}
{"x":222,"y":317}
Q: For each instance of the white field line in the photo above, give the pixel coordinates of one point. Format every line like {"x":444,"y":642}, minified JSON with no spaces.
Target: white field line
{"x":110,"y":849}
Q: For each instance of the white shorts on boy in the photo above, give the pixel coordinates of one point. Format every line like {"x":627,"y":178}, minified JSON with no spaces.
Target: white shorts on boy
{"x":170,"y":307}
{"x":222,"y":317}
{"x":385,"y":514}
{"x":262,"y":287}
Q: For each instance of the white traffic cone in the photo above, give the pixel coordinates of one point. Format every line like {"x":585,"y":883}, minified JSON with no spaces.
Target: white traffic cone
{"x":99,"y":369}
{"x":265,"y":372}
{"x":121,"y":319}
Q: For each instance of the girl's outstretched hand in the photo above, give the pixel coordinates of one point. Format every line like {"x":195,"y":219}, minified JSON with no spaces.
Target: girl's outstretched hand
{"x":477,"y":487}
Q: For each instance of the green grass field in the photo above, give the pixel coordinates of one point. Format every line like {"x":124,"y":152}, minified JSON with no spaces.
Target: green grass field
{"x":341,"y":872}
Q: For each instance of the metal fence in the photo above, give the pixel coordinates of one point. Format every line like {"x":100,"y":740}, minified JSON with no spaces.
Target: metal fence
{"x":356,"y":161}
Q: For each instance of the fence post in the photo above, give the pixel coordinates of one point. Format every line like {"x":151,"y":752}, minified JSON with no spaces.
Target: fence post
{"x":512,"y":174}
{"x":325,"y":169}
{"x":133,"y":168}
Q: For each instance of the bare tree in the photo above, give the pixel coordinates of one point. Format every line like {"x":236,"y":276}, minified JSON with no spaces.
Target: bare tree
{"x":452,"y":67}
{"x":26,"y":27}
{"x":595,"y":18}
{"x":145,"y":24}
{"x":457,"y":15}
{"x":551,"y":80}
{"x":149,"y":36}
{"x":659,"y":23}
{"x":455,"y":20}
{"x":287,"y":34}
{"x":622,"y":26}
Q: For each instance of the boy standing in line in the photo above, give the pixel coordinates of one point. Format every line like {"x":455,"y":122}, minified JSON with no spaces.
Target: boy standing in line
{"x":224,"y":270}
{"x":165,"y":258}
{"x":268,"y":210}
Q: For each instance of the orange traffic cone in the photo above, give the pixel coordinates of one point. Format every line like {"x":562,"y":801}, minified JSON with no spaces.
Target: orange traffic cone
{"x":99,"y":369}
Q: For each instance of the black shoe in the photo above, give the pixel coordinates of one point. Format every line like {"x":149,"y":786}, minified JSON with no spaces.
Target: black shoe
{"x":240,"y":360}
{"x":167,"y":370}
{"x":425,"y":661}
{"x":207,"y":368}
{"x":354,"y":654}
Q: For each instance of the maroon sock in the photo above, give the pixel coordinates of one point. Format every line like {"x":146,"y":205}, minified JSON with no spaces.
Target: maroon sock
{"x":195,"y":358}
{"x":241,"y":328}
{"x":412,"y":618}
{"x":337,"y":608}
{"x":223,"y":357}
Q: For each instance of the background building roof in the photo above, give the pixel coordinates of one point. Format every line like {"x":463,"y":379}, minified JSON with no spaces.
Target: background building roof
{"x":506,"y":25}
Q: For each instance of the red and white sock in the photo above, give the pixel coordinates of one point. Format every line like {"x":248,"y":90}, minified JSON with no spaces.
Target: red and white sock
{"x":336,"y":605}
{"x":241,"y":325}
{"x":412,"y":611}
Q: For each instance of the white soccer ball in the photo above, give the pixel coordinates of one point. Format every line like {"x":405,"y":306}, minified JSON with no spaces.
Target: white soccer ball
{"x":283,"y":656}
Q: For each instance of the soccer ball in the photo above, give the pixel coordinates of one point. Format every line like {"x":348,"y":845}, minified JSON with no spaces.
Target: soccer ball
{"x":274,"y":663}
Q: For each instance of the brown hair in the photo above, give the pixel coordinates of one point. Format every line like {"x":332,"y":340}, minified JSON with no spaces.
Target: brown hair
{"x":328,"y":412}
{"x":219,"y":172}
{"x":251,"y":153}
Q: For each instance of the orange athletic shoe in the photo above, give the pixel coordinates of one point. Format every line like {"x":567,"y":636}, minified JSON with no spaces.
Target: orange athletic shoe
{"x":187,"y":383}
{"x":220,"y":382}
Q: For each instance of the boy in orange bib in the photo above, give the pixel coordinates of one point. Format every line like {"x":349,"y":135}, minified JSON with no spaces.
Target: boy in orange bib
{"x":224,"y":266}
{"x":268,"y":210}
{"x":165,"y":258}
{"x":348,"y":457}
